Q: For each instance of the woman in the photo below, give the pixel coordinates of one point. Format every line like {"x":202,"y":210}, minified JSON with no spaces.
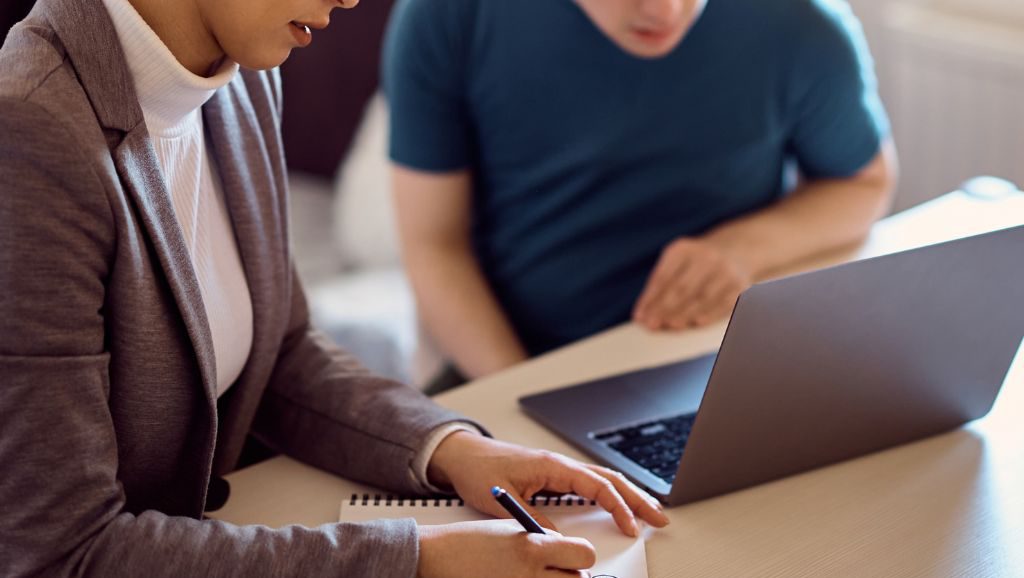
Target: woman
{"x":152,"y":320}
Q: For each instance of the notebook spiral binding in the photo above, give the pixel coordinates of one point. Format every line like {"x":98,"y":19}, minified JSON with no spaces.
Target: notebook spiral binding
{"x":391,"y":500}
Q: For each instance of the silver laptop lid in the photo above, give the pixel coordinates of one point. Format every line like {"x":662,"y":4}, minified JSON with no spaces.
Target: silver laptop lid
{"x":833,"y":364}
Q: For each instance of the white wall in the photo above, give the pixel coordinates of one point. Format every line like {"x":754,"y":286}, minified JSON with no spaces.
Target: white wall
{"x":999,"y":9}
{"x":954,"y":80}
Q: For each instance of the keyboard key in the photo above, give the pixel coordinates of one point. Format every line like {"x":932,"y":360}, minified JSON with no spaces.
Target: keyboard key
{"x":653,"y":429}
{"x":657,"y":446}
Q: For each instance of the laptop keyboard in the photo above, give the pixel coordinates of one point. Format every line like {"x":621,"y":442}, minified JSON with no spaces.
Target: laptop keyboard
{"x":656,"y":446}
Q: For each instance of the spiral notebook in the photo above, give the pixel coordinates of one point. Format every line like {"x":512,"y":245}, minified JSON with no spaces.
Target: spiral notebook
{"x":618,"y":555}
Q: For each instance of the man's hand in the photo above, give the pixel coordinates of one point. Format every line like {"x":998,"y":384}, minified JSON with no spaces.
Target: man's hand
{"x":694,"y":283}
{"x":499,"y":549}
{"x":472,"y":464}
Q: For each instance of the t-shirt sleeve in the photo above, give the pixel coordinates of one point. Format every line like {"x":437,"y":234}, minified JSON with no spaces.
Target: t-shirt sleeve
{"x":838,"y":121}
{"x":423,"y":79}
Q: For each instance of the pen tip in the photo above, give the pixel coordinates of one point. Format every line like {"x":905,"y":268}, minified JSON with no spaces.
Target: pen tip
{"x":497,"y":491}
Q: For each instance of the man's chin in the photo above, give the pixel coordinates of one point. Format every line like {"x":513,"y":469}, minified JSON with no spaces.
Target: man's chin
{"x":649,"y":52}
{"x":648,"y":48}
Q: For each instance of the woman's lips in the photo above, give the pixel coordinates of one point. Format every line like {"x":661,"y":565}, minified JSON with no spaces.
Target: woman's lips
{"x":302,"y":34}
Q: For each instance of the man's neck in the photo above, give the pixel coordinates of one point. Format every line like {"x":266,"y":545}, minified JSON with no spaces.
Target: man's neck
{"x":180,"y":26}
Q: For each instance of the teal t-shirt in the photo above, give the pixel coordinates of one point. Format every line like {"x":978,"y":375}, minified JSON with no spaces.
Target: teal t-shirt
{"x":587,"y":161}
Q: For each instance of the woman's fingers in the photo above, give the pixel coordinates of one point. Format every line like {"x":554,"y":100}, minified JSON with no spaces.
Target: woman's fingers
{"x":642,"y":504}
{"x":610,"y":489}
{"x":588,"y":484}
{"x":566,"y":553}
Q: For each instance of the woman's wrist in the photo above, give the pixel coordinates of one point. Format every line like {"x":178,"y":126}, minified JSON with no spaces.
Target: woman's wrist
{"x":427,"y":536}
{"x":447,"y":456}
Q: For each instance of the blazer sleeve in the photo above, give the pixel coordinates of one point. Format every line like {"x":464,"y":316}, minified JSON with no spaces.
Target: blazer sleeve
{"x":62,"y":509}
{"x":324,"y":408}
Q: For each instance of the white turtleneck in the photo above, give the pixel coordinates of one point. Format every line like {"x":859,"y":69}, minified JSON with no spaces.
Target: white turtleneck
{"x":171,"y":98}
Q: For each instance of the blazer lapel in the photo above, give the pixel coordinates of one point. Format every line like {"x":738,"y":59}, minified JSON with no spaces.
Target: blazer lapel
{"x":139,"y":171}
{"x":255,"y":197}
{"x":253,"y":194}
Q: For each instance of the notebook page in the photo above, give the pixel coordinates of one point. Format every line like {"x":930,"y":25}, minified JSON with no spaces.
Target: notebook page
{"x":618,"y":555}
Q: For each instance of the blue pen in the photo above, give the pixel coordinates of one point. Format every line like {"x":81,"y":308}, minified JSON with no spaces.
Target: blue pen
{"x":517,"y":511}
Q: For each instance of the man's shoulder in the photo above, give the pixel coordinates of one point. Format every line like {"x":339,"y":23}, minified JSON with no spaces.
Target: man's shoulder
{"x":795,"y":18}
{"x":803,"y":19}
{"x":809,"y":36}
{"x":448,"y":13}
{"x":439,"y":32}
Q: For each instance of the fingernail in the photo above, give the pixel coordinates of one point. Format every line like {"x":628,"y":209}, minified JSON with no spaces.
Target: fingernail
{"x":634,"y":529}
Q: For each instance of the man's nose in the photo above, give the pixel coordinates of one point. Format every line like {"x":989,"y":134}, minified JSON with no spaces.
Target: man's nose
{"x":662,"y":11}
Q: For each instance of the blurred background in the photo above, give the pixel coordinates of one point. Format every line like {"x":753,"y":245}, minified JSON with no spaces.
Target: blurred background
{"x":951,"y":73}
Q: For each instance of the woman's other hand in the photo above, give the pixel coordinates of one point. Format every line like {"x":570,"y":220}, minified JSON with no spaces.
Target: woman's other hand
{"x":499,"y":549}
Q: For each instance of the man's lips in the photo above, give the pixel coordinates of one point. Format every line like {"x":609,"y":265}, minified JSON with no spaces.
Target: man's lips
{"x":654,"y":35}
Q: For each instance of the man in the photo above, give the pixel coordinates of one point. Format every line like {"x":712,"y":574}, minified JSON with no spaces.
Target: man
{"x":564,"y":166}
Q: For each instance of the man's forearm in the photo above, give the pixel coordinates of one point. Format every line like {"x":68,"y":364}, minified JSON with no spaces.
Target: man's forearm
{"x":461,"y":312}
{"x":819,"y":216}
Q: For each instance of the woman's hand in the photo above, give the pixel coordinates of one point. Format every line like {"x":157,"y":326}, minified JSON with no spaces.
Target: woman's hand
{"x":499,"y":549}
{"x":472,"y":464}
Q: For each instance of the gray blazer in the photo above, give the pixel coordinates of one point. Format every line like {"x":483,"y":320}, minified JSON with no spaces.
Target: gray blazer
{"x":110,"y":430}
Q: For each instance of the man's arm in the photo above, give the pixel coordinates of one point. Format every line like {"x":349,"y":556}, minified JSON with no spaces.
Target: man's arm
{"x":820,"y":215}
{"x":455,"y":302}
{"x":698,"y":279}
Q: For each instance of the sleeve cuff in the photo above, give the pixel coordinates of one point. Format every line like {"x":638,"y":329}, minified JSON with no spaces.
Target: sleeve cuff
{"x":434,"y":439}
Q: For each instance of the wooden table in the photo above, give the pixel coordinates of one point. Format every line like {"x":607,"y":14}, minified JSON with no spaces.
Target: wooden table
{"x":951,"y":505}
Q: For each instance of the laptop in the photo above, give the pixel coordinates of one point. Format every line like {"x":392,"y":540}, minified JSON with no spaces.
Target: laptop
{"x":814,"y":369}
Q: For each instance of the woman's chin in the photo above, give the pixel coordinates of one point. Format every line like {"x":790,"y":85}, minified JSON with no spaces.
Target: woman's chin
{"x":263,"y":60}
